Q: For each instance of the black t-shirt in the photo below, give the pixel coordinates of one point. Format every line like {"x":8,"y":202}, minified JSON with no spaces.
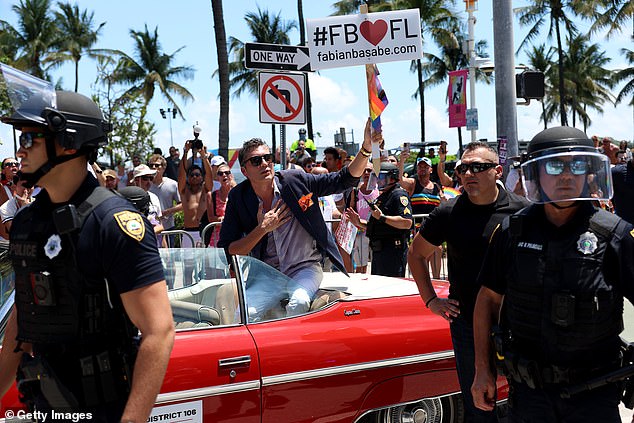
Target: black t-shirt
{"x":623,"y":200}
{"x":466,"y":228}
{"x":112,"y":243}
{"x":618,"y":263}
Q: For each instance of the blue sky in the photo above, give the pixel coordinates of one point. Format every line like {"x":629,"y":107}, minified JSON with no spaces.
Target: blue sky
{"x":338,"y":95}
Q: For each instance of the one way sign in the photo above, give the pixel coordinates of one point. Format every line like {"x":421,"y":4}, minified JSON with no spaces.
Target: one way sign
{"x":276,"y":57}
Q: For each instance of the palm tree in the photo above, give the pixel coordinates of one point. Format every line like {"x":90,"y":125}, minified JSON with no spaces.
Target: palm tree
{"x":588,"y":80}
{"x":540,"y":59}
{"x":223,"y":76}
{"x":151,"y":68}
{"x":347,"y":7}
{"x":264,"y":28}
{"x":79,"y":35}
{"x":627,"y":75}
{"x":34,"y":38}
{"x":614,"y":16}
{"x":555,"y":12}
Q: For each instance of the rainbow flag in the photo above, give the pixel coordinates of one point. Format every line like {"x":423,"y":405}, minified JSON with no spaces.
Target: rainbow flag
{"x":450,"y":192}
{"x":376,"y":96}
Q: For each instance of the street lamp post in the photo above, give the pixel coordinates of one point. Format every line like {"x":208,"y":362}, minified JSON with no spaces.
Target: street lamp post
{"x":171,"y":113}
{"x":471,"y":6}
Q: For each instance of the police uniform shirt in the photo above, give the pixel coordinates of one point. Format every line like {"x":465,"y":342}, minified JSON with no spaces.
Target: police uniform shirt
{"x":617,"y":264}
{"x":623,"y":199}
{"x":466,"y":228}
{"x":394,"y":202}
{"x":115,"y":242}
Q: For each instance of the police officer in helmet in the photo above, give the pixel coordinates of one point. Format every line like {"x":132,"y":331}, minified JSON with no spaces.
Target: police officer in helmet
{"x":88,"y":276}
{"x":389,"y":224}
{"x":561,"y":268}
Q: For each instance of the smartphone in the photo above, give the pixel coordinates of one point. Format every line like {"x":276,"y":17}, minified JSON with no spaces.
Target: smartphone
{"x":443,"y":147}
{"x":406,"y":147}
{"x":372,"y":204}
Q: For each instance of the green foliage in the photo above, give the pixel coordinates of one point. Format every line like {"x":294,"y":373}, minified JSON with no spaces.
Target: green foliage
{"x":132,"y":133}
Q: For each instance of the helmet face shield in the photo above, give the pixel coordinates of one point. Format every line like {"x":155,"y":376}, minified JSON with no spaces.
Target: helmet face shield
{"x":570,"y":175}
{"x":24,"y":97}
{"x":380,"y":182}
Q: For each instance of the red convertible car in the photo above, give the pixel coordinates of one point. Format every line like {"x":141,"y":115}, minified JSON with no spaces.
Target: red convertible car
{"x":366,"y":351}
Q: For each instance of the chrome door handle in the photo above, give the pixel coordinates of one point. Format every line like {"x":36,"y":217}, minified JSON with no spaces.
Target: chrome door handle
{"x":242,"y":361}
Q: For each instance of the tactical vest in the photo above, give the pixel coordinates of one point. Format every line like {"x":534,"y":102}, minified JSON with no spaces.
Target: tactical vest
{"x":55,"y":303}
{"x":558,"y":304}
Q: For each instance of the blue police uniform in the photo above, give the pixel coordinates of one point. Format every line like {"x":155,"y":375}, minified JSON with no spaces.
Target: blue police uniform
{"x":69,"y":279}
{"x":388,"y":244}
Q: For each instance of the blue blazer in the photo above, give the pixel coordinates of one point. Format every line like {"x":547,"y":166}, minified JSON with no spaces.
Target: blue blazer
{"x":242,"y":206}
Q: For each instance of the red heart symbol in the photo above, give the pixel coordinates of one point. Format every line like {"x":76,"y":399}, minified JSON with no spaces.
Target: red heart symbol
{"x":373,"y":32}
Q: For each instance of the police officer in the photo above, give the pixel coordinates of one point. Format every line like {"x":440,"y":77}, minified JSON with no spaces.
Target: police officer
{"x":388,"y":226}
{"x":88,"y":276}
{"x":309,"y":144}
{"x":562,"y":267}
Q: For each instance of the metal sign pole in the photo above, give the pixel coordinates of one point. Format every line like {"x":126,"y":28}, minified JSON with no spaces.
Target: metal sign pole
{"x":283,"y":146}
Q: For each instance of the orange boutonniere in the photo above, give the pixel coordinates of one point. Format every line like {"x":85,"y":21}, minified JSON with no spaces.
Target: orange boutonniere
{"x":305,"y":202}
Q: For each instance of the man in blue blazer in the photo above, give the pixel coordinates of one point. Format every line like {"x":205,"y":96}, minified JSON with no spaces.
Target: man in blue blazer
{"x":275,"y":217}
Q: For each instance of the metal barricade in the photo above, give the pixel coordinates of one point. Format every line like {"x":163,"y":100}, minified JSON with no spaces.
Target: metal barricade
{"x":206,"y":229}
{"x":174,"y":238}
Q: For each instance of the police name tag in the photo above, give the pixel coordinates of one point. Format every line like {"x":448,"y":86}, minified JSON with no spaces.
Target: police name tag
{"x":131,"y":224}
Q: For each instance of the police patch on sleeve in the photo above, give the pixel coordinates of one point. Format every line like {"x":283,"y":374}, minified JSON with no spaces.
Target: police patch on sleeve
{"x":404,"y":200}
{"x":131,"y":224}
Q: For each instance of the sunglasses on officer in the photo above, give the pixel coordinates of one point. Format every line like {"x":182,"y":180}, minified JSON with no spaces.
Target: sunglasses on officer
{"x":27,"y":138}
{"x":556,"y":167}
{"x":257,"y":160}
{"x":474,"y":167}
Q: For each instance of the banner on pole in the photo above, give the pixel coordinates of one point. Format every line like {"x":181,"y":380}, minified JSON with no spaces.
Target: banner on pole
{"x":457,"y":93}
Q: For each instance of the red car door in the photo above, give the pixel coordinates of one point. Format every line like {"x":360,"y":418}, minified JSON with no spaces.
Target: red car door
{"x":211,"y":371}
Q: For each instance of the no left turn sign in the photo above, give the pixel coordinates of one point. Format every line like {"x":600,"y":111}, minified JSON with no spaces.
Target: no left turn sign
{"x":282,"y":98}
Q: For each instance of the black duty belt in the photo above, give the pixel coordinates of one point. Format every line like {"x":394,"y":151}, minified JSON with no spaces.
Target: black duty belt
{"x":380,"y":244}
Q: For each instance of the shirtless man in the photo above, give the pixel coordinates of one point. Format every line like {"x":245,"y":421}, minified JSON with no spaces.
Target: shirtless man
{"x":192,"y":189}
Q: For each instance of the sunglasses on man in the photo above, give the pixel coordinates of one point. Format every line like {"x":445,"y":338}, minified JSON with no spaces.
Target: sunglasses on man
{"x":10,"y":164}
{"x":225,"y":173}
{"x":474,"y":167}
{"x":27,"y":138}
{"x":257,"y":160}
{"x":556,"y":167}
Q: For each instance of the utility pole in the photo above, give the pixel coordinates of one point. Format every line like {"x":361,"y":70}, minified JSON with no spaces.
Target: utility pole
{"x":503,"y":46}
{"x":471,"y":7}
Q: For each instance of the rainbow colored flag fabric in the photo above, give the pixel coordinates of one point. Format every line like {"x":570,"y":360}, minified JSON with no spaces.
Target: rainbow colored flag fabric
{"x":376,"y":96}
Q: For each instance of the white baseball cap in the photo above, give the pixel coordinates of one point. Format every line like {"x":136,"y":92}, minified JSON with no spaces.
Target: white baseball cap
{"x":217,"y":160}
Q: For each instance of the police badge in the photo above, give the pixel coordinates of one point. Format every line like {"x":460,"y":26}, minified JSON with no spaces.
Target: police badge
{"x":587,"y":243}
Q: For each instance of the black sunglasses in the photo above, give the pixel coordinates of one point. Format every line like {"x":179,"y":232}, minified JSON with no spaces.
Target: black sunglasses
{"x":195,"y":175}
{"x":10,"y":164}
{"x":26,"y":138}
{"x":154,"y":165}
{"x":257,"y":160}
{"x":474,"y":167}
{"x":225,"y":173}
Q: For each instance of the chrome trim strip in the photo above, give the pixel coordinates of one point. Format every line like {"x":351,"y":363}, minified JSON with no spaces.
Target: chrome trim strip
{"x":207,"y":392}
{"x":352,"y":368}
